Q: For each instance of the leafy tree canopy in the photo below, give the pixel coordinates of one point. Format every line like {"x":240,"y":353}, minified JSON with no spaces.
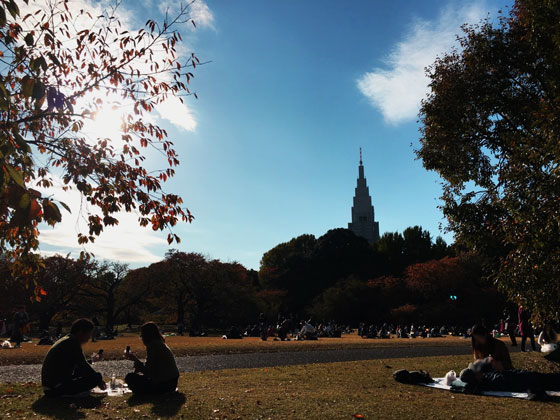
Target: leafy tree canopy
{"x":490,"y":129}
{"x":59,"y":68}
{"x":304,"y":267}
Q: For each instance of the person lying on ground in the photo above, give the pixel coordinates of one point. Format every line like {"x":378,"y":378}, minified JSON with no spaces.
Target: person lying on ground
{"x":484,"y":345}
{"x":484,"y":377}
{"x":65,"y":370}
{"x":160,"y":373}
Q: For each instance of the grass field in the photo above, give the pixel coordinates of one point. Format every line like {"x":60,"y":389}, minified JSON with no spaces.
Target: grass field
{"x":182,"y":346}
{"x":323,"y":391}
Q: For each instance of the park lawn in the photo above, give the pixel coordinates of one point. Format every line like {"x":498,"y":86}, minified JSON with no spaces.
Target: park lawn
{"x":183,"y":346}
{"x":320,"y":391}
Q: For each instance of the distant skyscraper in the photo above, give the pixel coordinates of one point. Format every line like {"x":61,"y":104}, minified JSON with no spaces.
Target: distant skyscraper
{"x":363,"y":216}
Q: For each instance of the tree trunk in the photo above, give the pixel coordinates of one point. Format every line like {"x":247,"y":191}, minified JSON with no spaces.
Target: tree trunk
{"x":180,"y":312}
{"x":128,"y":319}
{"x":110,"y":314}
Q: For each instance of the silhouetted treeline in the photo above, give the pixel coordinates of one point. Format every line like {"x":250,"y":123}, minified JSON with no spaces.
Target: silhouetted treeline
{"x":403,"y":278}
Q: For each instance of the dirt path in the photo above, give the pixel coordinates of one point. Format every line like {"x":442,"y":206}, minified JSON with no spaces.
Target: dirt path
{"x":32,"y":373}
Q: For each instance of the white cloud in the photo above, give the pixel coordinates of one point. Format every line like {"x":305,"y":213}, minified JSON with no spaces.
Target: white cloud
{"x":178,"y":113}
{"x":202,"y":15}
{"x":126,"y":242}
{"x":397,"y":88}
{"x":198,"y":11}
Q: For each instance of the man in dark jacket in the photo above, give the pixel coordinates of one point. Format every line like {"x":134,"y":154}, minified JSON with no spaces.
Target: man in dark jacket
{"x":21,"y":319}
{"x":65,"y":369}
{"x":510,"y":327}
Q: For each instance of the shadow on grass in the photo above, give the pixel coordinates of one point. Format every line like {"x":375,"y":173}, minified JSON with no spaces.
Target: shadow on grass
{"x":65,"y":408}
{"x":164,"y":405}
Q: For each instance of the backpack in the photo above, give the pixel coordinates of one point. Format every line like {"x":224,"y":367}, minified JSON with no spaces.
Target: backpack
{"x":415,"y":377}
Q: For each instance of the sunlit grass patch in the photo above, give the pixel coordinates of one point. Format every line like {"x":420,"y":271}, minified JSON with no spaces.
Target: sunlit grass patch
{"x":321,"y":391}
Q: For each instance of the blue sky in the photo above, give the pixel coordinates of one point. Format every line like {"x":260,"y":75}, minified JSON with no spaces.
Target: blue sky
{"x":294,"y":88}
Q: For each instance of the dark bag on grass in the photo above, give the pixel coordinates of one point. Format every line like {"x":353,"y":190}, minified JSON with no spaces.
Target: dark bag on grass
{"x":414,"y":377}
{"x":553,"y":356}
{"x":461,"y":387}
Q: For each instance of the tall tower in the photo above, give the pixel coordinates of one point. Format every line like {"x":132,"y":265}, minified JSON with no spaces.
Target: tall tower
{"x":363,"y":216}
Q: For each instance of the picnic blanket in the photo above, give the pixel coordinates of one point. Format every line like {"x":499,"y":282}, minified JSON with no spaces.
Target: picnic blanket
{"x":440,"y":383}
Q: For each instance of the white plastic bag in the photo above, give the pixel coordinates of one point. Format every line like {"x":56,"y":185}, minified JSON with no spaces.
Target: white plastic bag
{"x":450,"y":377}
{"x":549,"y":348}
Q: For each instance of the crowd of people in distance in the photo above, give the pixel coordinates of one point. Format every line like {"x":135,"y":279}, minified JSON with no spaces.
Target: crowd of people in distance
{"x":288,"y":328}
{"x":512,"y":326}
{"x":373,"y":331}
{"x":19,"y":327}
{"x":16,"y":329}
{"x":406,"y":331}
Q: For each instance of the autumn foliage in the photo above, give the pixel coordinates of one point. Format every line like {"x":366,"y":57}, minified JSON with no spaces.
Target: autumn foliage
{"x":447,"y":291}
{"x":60,"y":68}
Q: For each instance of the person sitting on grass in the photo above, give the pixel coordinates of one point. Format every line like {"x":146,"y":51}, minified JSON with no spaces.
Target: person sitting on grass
{"x":234,"y":333}
{"x":412,"y":333}
{"x":307,"y":332}
{"x":484,"y":345}
{"x":548,"y":340}
{"x":65,"y":370}
{"x":283,"y":330}
{"x":159,"y":374}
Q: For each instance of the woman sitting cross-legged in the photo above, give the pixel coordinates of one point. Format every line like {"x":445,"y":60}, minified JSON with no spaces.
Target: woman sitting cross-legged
{"x":159,"y":374}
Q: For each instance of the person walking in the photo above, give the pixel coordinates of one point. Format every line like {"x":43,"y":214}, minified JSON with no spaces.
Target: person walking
{"x":526,"y":328}
{"x":95,"y":332}
{"x":509,"y":326}
{"x":263,"y":326}
{"x":21,"y":319}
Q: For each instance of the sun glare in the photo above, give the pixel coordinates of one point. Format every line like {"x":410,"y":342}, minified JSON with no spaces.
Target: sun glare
{"x":107,"y":123}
